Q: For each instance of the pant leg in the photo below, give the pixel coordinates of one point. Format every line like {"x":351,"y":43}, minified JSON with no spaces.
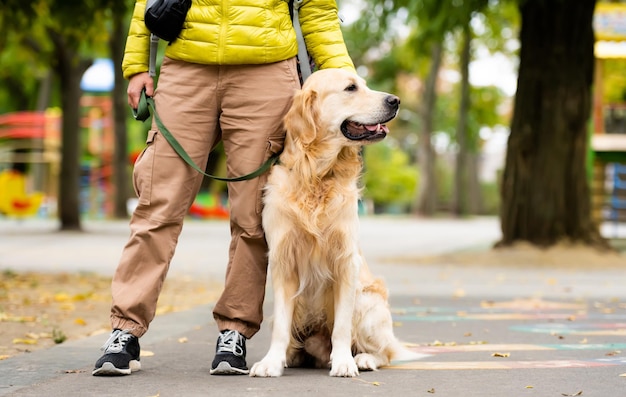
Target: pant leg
{"x":255,"y":100}
{"x":187,"y":103}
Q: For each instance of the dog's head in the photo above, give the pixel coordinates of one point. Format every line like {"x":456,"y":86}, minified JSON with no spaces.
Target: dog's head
{"x":336,"y":104}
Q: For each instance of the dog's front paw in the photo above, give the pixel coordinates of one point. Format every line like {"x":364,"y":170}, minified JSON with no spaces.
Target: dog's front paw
{"x":268,"y":368}
{"x":344,"y":367}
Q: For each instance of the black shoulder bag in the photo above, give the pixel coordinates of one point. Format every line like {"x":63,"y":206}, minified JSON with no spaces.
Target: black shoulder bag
{"x":165,"y":18}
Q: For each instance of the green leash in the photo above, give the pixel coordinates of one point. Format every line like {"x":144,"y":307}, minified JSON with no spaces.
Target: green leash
{"x":142,"y":113}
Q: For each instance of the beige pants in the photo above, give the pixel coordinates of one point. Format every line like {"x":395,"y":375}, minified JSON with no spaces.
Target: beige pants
{"x":242,"y":106}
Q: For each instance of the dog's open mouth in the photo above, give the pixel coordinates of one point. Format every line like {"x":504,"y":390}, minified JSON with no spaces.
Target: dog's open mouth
{"x":359,"y":132}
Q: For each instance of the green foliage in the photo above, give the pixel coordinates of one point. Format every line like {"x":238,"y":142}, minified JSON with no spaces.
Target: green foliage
{"x":58,"y":336}
{"x":445,"y":183}
{"x":388,"y":177}
{"x":490,"y":193}
{"x":33,"y":32}
{"x":484,"y":112}
{"x":614,"y":81}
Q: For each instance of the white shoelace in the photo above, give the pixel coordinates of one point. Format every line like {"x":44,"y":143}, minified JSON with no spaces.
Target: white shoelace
{"x":116,"y":341}
{"x":228,"y":343}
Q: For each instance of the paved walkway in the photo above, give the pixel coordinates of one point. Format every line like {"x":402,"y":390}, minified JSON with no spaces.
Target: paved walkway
{"x":489,"y":331}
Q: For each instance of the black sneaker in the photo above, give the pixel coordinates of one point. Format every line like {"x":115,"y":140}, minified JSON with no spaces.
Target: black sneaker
{"x":230,"y":354}
{"x":121,"y":355}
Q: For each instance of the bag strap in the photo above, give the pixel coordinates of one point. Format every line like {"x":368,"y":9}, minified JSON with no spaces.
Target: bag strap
{"x":154,"y":45}
{"x":303,"y":55}
{"x":154,"y":48}
{"x":142,"y":113}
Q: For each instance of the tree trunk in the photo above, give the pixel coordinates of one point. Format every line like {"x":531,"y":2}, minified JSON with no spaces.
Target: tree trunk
{"x":120,"y":111}
{"x":44,"y":93}
{"x":69,"y":68}
{"x":460,"y":201}
{"x":475,"y":194}
{"x":545,"y":192}
{"x":427,"y":196}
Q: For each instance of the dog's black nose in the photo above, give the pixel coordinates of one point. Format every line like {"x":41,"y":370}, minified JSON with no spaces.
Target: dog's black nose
{"x":392,"y":100}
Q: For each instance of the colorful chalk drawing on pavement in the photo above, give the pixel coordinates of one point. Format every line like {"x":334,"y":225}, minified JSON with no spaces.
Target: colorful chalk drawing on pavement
{"x":591,"y":329}
{"x":511,"y":364}
{"x":603,"y":321}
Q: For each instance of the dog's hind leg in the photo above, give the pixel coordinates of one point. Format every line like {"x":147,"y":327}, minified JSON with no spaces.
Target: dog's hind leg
{"x":273,"y":364}
{"x":374,"y":340}
{"x":318,"y":346}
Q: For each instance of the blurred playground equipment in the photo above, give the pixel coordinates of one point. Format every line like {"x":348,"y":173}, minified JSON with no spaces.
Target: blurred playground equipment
{"x":14,"y":199}
{"x":208,"y":205}
{"x":608,"y":140}
{"x":29,"y":160}
{"x":30,"y":156}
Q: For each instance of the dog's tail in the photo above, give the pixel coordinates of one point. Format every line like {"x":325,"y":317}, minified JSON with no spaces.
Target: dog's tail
{"x":401,"y":352}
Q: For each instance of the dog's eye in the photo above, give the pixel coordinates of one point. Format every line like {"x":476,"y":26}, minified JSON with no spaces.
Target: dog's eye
{"x":351,"y":87}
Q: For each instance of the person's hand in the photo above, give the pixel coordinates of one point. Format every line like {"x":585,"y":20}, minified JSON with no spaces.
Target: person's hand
{"x":136,"y":84}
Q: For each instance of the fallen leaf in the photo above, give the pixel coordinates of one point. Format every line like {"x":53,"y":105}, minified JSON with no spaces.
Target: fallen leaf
{"x":80,"y":321}
{"x":467,"y":334}
{"x":580,"y":393}
{"x":375,"y":383}
{"x":500,"y":354}
{"x":613,"y":353}
{"x":62,"y":297}
{"x":19,"y":319}
{"x":183,"y":340}
{"x":623,"y":375}
{"x":432,"y":391}
{"x":529,"y":387}
{"x":74,"y":371}
{"x":146,"y":353}
{"x":21,"y":341}
{"x":5,"y":356}
{"x":68,"y":306}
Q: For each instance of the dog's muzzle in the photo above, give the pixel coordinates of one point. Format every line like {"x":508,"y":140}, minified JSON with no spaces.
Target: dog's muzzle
{"x":356,"y":131}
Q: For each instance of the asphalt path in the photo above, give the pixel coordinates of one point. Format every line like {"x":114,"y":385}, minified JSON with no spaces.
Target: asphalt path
{"x":486,"y":330}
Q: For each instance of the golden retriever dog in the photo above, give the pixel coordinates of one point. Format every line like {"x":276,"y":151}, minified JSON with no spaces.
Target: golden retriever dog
{"x":329,"y":311}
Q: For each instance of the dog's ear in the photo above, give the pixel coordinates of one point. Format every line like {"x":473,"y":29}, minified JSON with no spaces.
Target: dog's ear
{"x":302,"y":119}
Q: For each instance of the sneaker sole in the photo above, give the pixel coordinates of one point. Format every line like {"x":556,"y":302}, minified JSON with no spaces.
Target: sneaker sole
{"x":225,"y":368}
{"x":108,"y":369}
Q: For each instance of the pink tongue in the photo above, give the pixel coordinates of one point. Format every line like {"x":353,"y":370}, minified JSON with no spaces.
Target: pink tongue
{"x":372,"y":127}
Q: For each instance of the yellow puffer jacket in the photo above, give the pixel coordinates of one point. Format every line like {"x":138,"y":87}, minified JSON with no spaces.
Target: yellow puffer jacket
{"x":242,"y":32}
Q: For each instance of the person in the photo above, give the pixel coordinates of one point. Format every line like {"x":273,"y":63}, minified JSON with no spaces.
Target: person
{"x":229,"y":76}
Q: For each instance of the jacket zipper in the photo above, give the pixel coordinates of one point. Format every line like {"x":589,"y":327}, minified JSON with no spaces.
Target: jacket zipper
{"x":223,"y":30}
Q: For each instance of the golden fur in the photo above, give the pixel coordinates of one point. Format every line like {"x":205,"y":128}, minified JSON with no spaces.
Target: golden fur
{"x":329,"y":311}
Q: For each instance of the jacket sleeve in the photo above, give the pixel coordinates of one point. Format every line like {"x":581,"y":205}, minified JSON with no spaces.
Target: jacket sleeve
{"x":321,"y":29}
{"x":137,"y":51}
